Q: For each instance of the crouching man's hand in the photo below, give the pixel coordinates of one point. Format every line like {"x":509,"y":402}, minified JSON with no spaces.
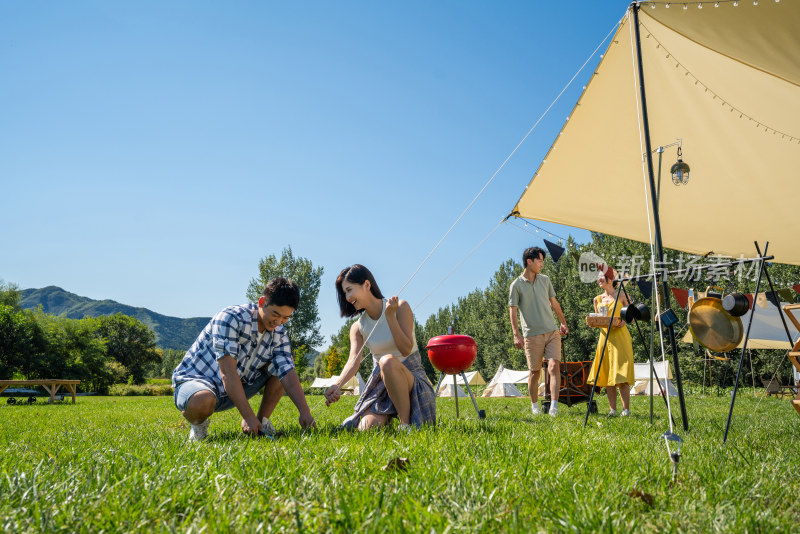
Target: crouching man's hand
{"x":251,"y":425}
{"x":307,"y":421}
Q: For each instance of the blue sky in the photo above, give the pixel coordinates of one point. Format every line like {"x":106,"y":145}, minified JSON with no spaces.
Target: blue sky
{"x":152,"y":152}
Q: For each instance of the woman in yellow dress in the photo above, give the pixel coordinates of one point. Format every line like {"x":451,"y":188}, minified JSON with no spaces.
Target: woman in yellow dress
{"x":616,"y":370}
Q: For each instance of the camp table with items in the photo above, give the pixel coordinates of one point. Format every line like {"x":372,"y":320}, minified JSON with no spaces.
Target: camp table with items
{"x":51,"y":385}
{"x":574,"y":388}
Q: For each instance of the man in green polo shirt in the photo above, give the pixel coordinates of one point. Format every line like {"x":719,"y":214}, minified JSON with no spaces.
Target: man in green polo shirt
{"x":533,"y":296}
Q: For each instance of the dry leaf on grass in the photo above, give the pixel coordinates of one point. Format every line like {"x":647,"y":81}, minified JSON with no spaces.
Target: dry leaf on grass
{"x":397,"y":463}
{"x":639,"y":494}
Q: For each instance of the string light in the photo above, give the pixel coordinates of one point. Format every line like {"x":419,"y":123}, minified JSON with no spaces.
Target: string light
{"x":667,"y":5}
{"x":549,"y":234}
{"x":715,"y":96}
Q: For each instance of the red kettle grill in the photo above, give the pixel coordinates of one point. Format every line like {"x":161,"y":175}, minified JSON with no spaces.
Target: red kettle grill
{"x":453,"y":354}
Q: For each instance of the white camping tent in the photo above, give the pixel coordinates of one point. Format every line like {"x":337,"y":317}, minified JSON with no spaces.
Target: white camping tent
{"x":509,"y":376}
{"x":356,"y":384}
{"x":502,"y":383}
{"x":502,"y":389}
{"x":641,"y":372}
{"x":446,"y":390}
{"x":474,"y":378}
{"x":320,"y":382}
{"x":767,"y":331}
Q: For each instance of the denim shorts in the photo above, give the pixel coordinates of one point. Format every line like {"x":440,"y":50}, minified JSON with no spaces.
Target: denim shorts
{"x":185,"y":390}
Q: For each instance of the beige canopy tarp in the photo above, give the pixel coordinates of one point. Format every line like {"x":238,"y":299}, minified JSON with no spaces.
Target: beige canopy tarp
{"x":726,"y":80}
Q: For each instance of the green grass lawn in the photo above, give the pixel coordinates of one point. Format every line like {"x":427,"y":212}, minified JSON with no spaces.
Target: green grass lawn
{"x":123,"y":464}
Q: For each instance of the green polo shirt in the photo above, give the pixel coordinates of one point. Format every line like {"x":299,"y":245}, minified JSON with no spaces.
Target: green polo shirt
{"x":533,"y":302}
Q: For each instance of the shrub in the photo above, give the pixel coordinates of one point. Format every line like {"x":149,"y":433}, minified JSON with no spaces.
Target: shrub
{"x":146,"y":390}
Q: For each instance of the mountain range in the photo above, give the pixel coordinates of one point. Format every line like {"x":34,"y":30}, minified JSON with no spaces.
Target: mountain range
{"x":171,"y":332}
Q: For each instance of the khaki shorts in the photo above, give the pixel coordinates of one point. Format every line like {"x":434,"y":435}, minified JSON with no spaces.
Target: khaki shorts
{"x":547,"y":346}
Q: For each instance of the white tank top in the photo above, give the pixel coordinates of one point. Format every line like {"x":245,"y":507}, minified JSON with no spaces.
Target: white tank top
{"x":381,"y":342}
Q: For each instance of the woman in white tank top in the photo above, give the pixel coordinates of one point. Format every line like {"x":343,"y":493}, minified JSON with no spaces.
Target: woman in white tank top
{"x":398,"y":386}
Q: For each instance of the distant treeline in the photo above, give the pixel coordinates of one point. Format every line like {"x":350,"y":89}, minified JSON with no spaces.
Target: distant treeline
{"x":170,"y":332}
{"x":99,"y":351}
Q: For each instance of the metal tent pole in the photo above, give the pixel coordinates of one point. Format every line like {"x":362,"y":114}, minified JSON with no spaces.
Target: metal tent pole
{"x":600,"y":361}
{"x":656,"y":220}
{"x":761,"y":270}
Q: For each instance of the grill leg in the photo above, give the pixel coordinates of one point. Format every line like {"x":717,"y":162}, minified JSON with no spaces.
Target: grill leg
{"x":439,"y":383}
{"x":455,"y":394}
{"x":481,"y":413}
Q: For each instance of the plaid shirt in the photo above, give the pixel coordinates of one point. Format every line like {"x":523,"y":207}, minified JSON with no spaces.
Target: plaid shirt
{"x":234,"y":331}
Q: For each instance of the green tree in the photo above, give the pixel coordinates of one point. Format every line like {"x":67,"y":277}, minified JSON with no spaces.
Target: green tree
{"x":74,"y":351}
{"x":130,"y":342}
{"x":335,"y":361}
{"x":22,"y":341}
{"x":10,"y":295}
{"x":303,"y":327}
{"x":168,"y":360}
{"x":321,"y":365}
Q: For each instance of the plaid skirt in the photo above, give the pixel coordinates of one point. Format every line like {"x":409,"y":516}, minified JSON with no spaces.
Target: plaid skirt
{"x":375,"y":399}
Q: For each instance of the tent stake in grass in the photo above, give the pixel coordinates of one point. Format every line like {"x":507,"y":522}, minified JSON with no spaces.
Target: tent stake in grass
{"x":675,"y":455}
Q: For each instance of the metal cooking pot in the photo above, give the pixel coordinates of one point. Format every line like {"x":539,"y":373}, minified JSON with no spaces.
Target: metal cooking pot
{"x":453,"y":353}
{"x":637,"y":312}
{"x":736,"y":304}
{"x":713,"y":327}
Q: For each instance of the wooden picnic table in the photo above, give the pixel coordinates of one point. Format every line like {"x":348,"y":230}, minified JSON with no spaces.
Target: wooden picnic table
{"x":50,"y":385}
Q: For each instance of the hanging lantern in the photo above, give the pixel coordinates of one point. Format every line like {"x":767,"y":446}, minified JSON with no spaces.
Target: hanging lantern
{"x":680,"y":171}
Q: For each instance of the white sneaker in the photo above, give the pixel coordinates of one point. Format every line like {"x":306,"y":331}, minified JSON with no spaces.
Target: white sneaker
{"x":553,"y":411}
{"x":404,"y":427}
{"x":625,"y":413}
{"x":199,"y":432}
{"x":612,"y":413}
{"x":535,"y":410}
{"x":267,"y":428}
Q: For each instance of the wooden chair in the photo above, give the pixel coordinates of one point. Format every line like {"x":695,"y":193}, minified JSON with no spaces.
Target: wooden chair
{"x":774,"y":387}
{"x":794,"y":354}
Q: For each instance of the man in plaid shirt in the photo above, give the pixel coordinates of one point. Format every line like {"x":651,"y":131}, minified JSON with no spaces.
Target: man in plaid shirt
{"x":242,"y":349}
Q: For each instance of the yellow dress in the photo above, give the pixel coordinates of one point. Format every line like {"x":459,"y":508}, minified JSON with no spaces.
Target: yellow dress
{"x":617,"y":365}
